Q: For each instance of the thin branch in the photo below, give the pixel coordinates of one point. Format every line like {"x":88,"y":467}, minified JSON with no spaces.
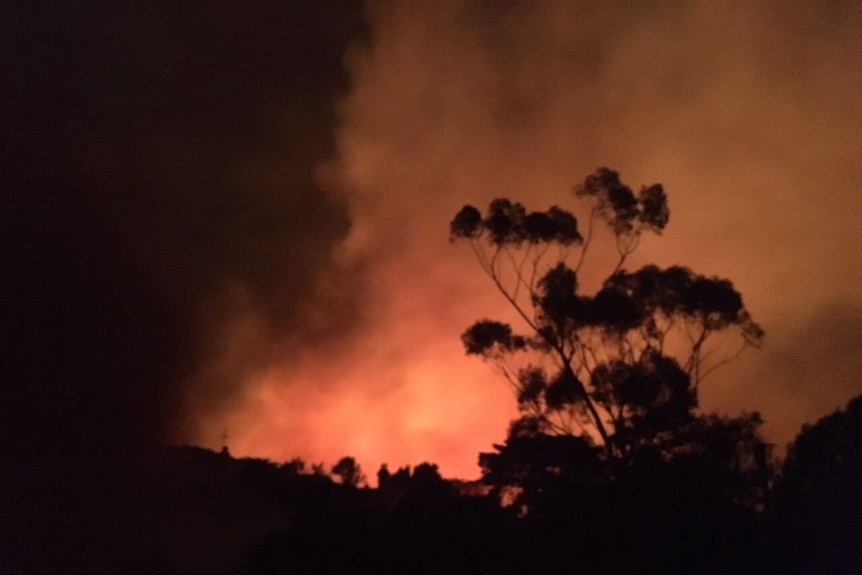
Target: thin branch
{"x":586,"y":244}
{"x":745,"y":345}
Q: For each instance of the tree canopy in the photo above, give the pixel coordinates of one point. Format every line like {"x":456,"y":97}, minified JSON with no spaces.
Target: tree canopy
{"x":817,"y":500}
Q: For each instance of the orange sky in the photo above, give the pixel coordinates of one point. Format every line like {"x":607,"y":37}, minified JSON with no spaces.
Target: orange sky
{"x":748,"y":116}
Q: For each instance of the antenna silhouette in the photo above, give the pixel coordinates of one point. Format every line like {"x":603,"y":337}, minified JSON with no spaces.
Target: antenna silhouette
{"x":224,"y":449}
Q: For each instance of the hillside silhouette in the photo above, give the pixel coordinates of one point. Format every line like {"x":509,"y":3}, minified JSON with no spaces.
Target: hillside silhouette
{"x":191,"y":510}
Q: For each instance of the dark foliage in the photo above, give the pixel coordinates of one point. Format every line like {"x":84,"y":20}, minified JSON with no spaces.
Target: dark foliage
{"x":491,"y":338}
{"x":620,"y":208}
{"x":189,"y":510}
{"x":348,"y":472}
{"x":508,"y":223}
{"x":817,"y":501}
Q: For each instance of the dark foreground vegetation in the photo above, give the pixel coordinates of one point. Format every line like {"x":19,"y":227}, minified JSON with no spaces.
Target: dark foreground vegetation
{"x":187,"y":510}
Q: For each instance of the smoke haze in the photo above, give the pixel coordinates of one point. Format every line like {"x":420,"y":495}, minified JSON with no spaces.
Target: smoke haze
{"x":745,"y":115}
{"x":239,"y":222}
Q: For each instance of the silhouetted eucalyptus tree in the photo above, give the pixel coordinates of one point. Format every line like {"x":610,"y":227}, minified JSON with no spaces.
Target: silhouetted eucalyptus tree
{"x":619,"y":367}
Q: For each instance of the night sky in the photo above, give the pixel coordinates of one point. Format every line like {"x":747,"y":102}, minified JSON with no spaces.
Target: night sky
{"x":227,"y":217}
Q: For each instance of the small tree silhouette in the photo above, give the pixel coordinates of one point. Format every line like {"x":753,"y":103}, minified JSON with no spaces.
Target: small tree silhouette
{"x":348,"y":472}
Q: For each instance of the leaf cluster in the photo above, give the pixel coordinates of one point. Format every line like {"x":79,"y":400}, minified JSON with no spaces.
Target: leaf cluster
{"x":509,"y":223}
{"x":620,"y":208}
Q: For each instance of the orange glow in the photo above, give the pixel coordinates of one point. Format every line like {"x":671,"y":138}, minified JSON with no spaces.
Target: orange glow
{"x":448,"y":108}
{"x":413,"y":413}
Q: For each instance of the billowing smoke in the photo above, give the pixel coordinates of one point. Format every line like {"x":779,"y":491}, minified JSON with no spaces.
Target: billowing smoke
{"x":234,"y":219}
{"x":163,"y":225}
{"x":745,"y":114}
